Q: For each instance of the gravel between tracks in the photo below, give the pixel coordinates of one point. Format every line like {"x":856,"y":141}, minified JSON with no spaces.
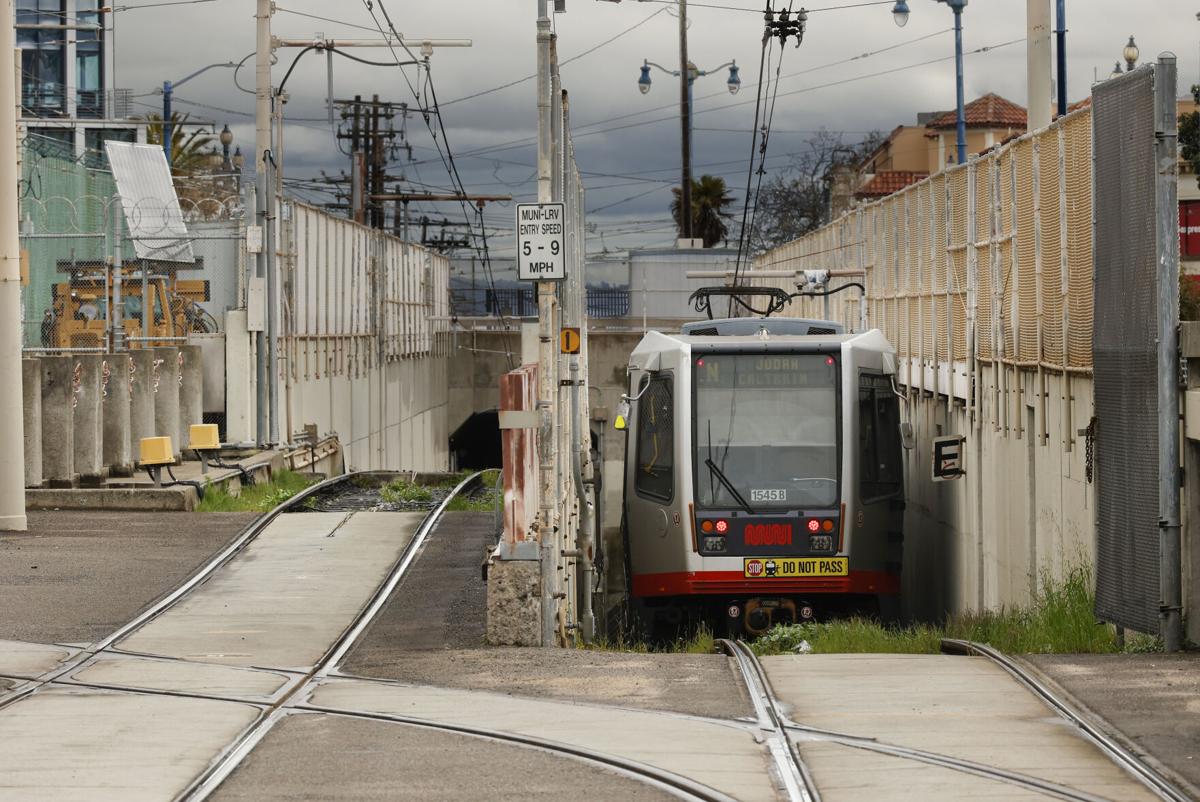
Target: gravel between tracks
{"x":431,"y":632}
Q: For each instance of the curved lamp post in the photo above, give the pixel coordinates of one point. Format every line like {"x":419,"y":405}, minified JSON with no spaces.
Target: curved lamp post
{"x":900,"y":15}
{"x":168,"y":88}
{"x":733,"y":83}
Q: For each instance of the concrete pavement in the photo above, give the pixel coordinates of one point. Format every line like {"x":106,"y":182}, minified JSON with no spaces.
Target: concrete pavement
{"x":963,"y":707}
{"x":75,"y":577}
{"x":1150,"y":701}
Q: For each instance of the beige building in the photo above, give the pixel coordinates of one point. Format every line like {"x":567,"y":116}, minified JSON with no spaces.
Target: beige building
{"x":912,"y":152}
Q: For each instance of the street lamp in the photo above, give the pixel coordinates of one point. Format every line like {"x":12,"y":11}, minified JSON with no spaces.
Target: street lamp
{"x":733,"y":83}
{"x":1117,"y":72}
{"x":1131,"y":54}
{"x":168,"y":89}
{"x":900,"y":15}
{"x":226,"y":140}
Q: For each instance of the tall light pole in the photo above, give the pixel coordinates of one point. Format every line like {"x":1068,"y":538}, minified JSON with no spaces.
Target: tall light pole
{"x":1061,"y":34}
{"x":900,"y":14}
{"x":168,"y":89}
{"x":685,"y":103}
{"x":689,"y":74}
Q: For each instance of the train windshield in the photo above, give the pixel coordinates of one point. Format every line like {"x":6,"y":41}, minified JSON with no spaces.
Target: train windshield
{"x":767,"y":430}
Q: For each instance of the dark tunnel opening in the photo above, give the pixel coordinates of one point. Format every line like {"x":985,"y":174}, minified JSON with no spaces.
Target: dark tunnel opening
{"x":475,"y":444}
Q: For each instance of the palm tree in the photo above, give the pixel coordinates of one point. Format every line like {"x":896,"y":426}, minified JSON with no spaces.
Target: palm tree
{"x":709,"y":199}
{"x":190,"y":152}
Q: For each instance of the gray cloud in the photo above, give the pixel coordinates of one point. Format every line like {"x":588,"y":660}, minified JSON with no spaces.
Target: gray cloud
{"x":153,"y":44}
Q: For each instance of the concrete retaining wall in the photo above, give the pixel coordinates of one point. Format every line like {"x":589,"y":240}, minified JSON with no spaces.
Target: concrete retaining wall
{"x":58,"y":421}
{"x":165,"y":379}
{"x":191,"y":393}
{"x":117,"y":453}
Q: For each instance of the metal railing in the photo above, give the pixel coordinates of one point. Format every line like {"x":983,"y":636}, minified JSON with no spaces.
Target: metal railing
{"x":520,"y":302}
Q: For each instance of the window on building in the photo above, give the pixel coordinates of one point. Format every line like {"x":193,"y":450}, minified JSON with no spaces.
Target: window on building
{"x":43,"y":57}
{"x":89,"y":62}
{"x":55,"y":142}
{"x":881,"y":471}
{"x":656,"y":440}
{"x":94,"y":154}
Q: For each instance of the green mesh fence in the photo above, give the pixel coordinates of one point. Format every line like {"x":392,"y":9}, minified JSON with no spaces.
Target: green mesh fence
{"x":65,"y":208}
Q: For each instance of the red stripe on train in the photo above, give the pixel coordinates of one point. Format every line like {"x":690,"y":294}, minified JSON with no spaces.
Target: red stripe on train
{"x":693,"y":583}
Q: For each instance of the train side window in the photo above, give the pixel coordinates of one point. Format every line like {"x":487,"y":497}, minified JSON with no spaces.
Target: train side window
{"x":881,"y":471}
{"x":656,"y":440}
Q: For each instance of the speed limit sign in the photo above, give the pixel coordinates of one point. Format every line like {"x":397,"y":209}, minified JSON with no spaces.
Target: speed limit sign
{"x":541,"y":242}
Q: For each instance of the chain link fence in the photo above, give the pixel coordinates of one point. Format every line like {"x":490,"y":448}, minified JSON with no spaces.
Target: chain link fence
{"x":83,"y":290}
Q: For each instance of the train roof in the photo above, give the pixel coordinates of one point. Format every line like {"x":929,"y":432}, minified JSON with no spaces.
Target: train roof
{"x":656,"y":343}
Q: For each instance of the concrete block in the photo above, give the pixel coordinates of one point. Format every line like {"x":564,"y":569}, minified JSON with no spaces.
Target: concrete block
{"x":191,"y":393}
{"x":239,"y":379}
{"x":116,"y":452}
{"x":514,"y":603}
{"x":58,"y":421}
{"x":31,"y":387}
{"x":89,"y":369}
{"x":165,"y":378}
{"x":141,"y":396}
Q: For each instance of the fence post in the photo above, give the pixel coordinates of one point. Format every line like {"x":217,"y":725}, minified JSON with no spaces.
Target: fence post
{"x":1166,"y":130}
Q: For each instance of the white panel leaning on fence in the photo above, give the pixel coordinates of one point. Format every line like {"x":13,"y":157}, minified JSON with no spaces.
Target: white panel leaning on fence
{"x":988,"y":264}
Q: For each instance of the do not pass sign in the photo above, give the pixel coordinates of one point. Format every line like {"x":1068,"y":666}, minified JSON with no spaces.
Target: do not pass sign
{"x":541,"y":242}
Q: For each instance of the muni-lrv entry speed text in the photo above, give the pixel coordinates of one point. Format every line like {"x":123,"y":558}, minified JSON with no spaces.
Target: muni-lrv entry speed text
{"x":541,"y":242}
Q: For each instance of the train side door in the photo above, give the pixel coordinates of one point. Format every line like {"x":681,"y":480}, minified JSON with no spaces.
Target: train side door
{"x":652,"y":491}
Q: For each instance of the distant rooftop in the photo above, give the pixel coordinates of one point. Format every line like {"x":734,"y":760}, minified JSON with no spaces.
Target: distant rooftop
{"x":989,"y":111}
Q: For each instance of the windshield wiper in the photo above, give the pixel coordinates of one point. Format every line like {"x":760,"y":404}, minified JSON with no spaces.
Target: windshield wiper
{"x":724,"y":480}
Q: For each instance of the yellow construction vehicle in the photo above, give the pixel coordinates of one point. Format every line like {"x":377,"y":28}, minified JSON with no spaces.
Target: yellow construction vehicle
{"x":78,"y":315}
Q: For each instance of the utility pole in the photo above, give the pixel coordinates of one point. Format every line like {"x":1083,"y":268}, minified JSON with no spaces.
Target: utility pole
{"x":547,"y":389}
{"x":262,"y":148}
{"x":1038,"y":57}
{"x":12,"y":431}
{"x":685,"y":80}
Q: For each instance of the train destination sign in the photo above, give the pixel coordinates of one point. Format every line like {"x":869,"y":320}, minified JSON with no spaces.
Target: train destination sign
{"x":541,"y":242}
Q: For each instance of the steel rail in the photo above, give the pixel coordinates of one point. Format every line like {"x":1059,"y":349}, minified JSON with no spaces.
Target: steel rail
{"x":767,"y":707}
{"x":674,"y":784}
{"x":206,"y":570}
{"x":1131,"y":763}
{"x":211,"y":778}
{"x":1026,"y":781}
{"x":797,"y":781}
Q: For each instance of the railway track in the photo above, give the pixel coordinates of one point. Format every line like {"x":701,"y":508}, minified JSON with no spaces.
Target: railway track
{"x":293,"y":696}
{"x":797,"y":778}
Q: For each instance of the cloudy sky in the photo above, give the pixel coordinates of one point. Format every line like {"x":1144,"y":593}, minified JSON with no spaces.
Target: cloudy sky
{"x":855,"y":72}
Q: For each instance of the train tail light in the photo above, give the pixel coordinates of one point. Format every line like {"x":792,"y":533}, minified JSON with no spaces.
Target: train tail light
{"x":722,"y":527}
{"x":813,"y":525}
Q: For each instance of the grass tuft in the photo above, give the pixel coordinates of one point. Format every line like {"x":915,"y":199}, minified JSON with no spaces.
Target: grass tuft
{"x":1060,"y":620}
{"x":484,"y":500}
{"x":255,"y":498}
{"x":405,"y":491}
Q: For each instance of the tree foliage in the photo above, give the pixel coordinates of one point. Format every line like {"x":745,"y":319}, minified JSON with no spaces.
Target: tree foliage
{"x":709,"y":199}
{"x":1189,"y":135}
{"x":189,"y":150}
{"x":795,"y":201}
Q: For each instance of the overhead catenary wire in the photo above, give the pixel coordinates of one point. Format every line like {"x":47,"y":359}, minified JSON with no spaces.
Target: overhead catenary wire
{"x":443,"y":148}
